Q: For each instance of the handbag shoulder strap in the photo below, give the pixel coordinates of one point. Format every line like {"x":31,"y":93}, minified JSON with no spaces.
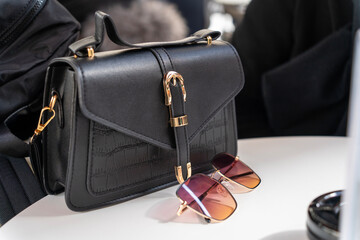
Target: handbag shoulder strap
{"x":104,"y":22}
{"x":10,"y":144}
{"x":17,"y":127}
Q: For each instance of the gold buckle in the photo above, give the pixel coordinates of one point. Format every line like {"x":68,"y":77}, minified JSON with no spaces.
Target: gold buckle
{"x":179,"y":175}
{"x":40,"y":127}
{"x":172,"y":75}
{"x":171,"y":78}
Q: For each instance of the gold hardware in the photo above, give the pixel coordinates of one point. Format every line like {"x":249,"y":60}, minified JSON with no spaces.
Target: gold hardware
{"x":91,"y":52}
{"x":182,"y":208}
{"x":40,"y":127}
{"x":213,"y":173}
{"x":209,"y":40}
{"x":179,"y":121}
{"x":172,"y":76}
{"x":227,"y":179}
{"x":52,"y":102}
{"x":189,"y":170}
{"x":179,"y":174}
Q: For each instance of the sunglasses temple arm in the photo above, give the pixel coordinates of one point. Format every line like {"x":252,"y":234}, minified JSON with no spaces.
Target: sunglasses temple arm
{"x":182,"y":208}
{"x":243,"y":174}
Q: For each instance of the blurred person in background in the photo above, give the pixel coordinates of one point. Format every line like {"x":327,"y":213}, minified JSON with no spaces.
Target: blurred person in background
{"x":142,"y":20}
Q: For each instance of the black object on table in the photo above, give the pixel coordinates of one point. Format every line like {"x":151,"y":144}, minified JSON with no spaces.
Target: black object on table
{"x":323,"y":216}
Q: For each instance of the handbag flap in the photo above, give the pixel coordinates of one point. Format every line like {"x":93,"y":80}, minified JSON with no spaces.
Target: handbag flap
{"x":123,"y":89}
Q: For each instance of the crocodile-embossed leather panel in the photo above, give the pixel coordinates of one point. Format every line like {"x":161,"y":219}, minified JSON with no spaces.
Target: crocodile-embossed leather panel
{"x":119,"y":162}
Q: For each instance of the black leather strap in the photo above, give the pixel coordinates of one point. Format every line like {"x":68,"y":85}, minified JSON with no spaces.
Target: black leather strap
{"x":177,"y":110}
{"x":181,"y":135}
{"x":18,"y":187}
{"x":103,"y":20}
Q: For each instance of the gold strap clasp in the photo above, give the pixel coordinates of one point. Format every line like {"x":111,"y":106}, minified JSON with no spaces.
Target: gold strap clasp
{"x":40,"y":127}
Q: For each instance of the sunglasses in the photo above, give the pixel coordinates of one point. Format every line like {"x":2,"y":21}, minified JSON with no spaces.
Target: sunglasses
{"x":206,"y":195}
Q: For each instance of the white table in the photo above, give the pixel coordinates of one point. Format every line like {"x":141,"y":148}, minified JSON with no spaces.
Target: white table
{"x":294,"y":170}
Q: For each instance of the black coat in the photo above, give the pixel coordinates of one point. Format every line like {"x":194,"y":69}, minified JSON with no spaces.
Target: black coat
{"x":274,"y":34}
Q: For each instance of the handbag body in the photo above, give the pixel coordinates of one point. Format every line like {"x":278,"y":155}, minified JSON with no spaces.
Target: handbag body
{"x":110,"y":139}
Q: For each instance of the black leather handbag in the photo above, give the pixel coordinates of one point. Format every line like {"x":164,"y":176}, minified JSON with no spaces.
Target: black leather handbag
{"x":114,"y":124}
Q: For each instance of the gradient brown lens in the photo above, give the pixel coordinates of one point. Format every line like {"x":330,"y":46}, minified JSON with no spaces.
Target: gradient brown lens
{"x":235,"y":170}
{"x":207,"y":196}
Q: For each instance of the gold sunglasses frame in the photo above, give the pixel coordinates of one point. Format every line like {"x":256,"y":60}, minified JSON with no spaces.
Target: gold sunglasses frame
{"x":232,"y":181}
{"x":184,"y":205}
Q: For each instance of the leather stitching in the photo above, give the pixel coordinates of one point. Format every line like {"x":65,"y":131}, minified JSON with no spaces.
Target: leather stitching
{"x":73,"y":153}
{"x":172,"y":65}
{"x":91,"y":157}
{"x":162,"y":61}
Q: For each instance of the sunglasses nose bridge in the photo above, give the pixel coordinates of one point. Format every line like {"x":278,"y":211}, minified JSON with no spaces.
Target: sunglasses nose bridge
{"x":182,"y":208}
{"x":213,"y":173}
